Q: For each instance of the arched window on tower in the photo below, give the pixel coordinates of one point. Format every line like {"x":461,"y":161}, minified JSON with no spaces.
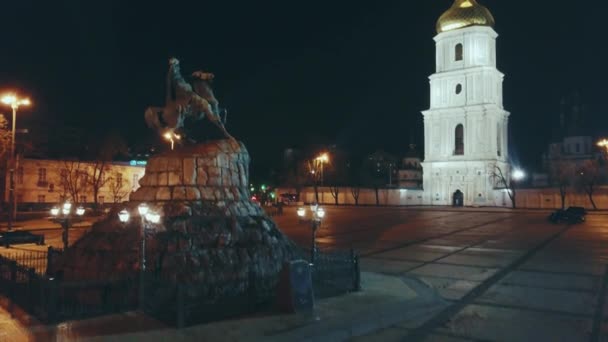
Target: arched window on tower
{"x":459,"y":140}
{"x":458,"y":52}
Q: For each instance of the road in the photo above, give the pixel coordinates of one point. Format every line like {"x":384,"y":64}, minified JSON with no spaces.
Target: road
{"x":502,"y":275}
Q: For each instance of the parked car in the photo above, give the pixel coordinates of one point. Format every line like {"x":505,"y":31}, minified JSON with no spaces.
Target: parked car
{"x":570,"y":215}
{"x":20,"y":237}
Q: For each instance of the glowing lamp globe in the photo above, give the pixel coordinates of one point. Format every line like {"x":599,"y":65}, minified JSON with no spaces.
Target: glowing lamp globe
{"x":301,"y":212}
{"x":123,"y":216}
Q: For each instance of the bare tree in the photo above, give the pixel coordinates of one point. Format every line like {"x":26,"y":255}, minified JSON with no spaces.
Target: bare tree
{"x":589,"y":175}
{"x":355,"y":191}
{"x":506,"y":182}
{"x":73,"y":179}
{"x":335,"y":191}
{"x":561,"y":173}
{"x":117,"y":187}
{"x":98,"y":179}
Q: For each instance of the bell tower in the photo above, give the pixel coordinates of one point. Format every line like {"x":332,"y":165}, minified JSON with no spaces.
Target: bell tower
{"x":465,"y":129}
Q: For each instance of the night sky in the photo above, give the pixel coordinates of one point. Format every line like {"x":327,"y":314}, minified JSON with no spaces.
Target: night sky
{"x":293,"y":73}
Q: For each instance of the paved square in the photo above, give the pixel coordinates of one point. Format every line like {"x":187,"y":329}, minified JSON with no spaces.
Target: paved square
{"x":506,"y":275}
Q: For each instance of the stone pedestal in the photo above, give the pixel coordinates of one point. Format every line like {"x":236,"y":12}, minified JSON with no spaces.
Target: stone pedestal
{"x":212,"y":236}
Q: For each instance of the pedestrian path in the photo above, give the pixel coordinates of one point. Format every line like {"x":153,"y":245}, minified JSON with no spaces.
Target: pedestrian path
{"x":384,"y":301}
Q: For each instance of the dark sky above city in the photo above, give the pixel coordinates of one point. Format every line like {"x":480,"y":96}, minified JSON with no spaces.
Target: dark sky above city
{"x":293,"y":73}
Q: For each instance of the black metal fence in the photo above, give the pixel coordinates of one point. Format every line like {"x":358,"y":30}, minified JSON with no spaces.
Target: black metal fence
{"x":335,"y":273}
{"x":28,"y":281}
{"x":28,"y":259}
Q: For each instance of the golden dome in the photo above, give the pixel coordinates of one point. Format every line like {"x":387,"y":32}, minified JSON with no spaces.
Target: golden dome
{"x":464,"y":13}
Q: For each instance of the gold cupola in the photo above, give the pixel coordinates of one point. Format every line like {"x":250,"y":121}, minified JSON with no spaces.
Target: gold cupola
{"x":464,"y":13}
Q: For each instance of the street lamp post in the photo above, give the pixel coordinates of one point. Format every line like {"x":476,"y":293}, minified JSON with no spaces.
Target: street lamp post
{"x":66,"y":219}
{"x":317,"y":216}
{"x":143,"y":211}
{"x":322,"y":159}
{"x":14,"y":102}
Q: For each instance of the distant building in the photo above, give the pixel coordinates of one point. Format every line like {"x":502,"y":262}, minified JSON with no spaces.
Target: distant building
{"x":571,"y":146}
{"x":410,"y":172}
{"x":42,"y":182}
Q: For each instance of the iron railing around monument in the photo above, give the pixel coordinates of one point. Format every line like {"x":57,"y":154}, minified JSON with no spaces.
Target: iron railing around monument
{"x":335,"y":273}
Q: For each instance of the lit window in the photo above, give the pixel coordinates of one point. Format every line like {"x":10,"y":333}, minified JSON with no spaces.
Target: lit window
{"x":41,"y":175}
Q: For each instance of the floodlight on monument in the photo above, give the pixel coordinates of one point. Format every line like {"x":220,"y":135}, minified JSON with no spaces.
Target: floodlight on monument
{"x":123,"y":216}
{"x":80,"y":211}
{"x":54,"y":211}
{"x":301,"y":212}
{"x":518,"y":174}
{"x":143,"y":209}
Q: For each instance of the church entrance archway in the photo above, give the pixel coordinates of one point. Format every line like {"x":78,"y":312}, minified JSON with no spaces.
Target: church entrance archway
{"x":458,"y":199}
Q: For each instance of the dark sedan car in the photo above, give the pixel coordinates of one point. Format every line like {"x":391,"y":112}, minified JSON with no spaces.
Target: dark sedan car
{"x":20,"y":237}
{"x":570,"y":215}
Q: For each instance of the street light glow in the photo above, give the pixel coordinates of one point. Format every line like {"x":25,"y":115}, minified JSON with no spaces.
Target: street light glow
{"x":519,"y":174}
{"x":320,"y":213}
{"x":324,"y":158}
{"x":80,"y":211}
{"x":55,"y":211}
{"x":123,"y":216}
{"x":153,"y":217}
{"x":143,"y":209}
{"x":13,"y":101}
{"x":301,"y":212}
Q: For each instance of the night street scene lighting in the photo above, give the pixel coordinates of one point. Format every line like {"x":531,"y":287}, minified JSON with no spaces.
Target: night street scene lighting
{"x":255,"y":171}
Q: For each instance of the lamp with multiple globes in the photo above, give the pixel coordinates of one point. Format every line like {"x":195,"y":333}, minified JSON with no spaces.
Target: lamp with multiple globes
{"x":318,"y":214}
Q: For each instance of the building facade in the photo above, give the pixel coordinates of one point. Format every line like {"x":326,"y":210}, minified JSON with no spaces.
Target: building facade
{"x":465,"y":129}
{"x":42,"y":182}
{"x":410,"y":173}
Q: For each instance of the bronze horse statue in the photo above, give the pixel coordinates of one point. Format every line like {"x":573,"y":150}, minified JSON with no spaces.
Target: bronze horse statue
{"x":189,"y":108}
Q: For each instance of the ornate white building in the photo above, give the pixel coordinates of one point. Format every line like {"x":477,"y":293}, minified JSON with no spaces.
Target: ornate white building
{"x":465,"y":129}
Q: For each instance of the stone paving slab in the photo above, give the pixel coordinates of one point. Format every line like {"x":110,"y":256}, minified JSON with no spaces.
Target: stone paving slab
{"x":455,"y":272}
{"x":410,"y":255}
{"x":562,"y":265}
{"x":553,"y":281}
{"x":580,"y":303}
{"x":504,"y":324}
{"x":465,"y":259}
{"x":450,"y":288}
{"x":387,"y":266}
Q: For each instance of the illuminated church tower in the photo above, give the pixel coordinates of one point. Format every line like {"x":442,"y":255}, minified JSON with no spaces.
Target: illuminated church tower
{"x":465,"y":130}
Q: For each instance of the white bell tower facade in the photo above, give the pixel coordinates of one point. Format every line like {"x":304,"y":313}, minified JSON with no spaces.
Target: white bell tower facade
{"x":466,"y":127}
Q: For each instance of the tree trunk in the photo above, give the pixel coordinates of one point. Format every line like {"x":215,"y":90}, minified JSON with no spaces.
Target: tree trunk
{"x":335,"y":191}
{"x":562,"y":193}
{"x":377,"y":198}
{"x":316,"y":193}
{"x":590,"y":194}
